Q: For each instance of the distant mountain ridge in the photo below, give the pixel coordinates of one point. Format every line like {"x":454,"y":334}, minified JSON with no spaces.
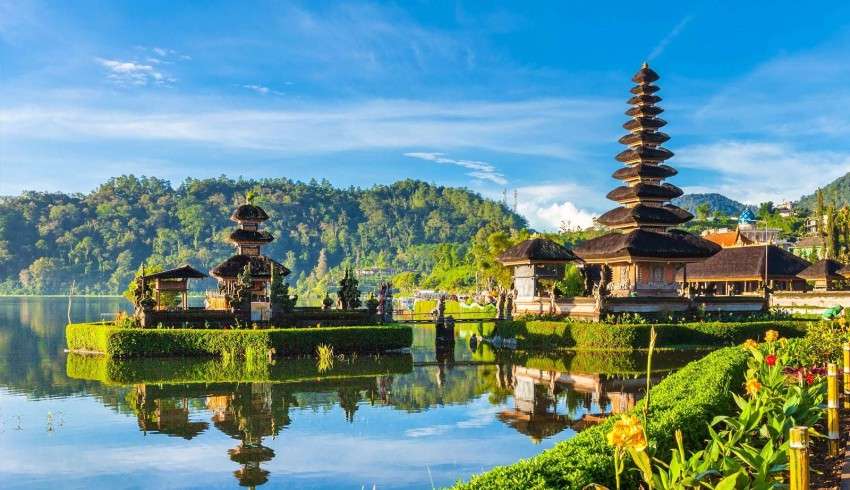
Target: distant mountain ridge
{"x":718,"y":202}
{"x":836,"y":192}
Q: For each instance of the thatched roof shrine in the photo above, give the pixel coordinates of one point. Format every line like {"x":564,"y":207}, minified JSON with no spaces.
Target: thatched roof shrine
{"x":536,"y":250}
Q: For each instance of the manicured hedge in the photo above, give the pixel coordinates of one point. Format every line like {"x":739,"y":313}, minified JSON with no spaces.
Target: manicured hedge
{"x":111,"y":370}
{"x":688,"y":400}
{"x":536,"y":334}
{"x":140,"y":342}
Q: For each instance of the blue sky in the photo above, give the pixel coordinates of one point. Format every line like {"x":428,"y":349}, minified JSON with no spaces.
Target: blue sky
{"x":488,"y":95}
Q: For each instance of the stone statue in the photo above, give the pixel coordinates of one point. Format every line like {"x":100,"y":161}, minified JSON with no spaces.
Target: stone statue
{"x":382,"y":299}
{"x":388,"y":303}
{"x":439,"y":312}
{"x":588,"y":280}
{"x":509,"y":305}
{"x":500,"y":305}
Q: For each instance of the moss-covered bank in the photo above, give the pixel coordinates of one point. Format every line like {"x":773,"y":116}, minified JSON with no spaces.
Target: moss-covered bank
{"x":121,"y":342}
{"x":539,"y":334}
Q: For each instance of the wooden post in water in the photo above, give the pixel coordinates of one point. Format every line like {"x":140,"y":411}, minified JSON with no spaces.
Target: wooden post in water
{"x":832,"y":408}
{"x":846,"y":383}
{"x":798,"y":459}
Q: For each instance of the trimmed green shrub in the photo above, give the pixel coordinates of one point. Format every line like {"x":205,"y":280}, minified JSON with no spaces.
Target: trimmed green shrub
{"x":139,"y":342}
{"x":688,"y":400}
{"x":536,"y":334}
{"x":172,"y":371}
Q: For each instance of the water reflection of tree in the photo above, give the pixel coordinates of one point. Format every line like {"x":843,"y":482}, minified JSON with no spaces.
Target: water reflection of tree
{"x":32,"y":345}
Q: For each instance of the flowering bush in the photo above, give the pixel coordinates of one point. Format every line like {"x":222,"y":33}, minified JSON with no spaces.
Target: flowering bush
{"x":746,"y":450}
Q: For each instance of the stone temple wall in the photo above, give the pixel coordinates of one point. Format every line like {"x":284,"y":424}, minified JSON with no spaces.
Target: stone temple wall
{"x":813,"y":302}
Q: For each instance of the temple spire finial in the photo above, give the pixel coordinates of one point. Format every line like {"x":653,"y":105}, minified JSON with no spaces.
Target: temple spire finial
{"x":645,"y":65}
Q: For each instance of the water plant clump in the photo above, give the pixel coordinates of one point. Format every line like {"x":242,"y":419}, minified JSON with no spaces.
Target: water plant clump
{"x":325,"y":355}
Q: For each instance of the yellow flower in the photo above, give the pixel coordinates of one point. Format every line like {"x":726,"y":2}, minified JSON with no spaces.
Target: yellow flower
{"x":753,"y":386}
{"x":771,"y":336}
{"x":783,"y":341}
{"x":628,"y":433}
{"x":751,"y":344}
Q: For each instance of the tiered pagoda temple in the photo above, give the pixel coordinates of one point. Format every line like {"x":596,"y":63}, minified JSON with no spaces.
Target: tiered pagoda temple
{"x":643,"y":250}
{"x":249,"y":239}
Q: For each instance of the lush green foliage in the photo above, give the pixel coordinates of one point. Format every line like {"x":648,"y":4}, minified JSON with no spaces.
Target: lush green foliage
{"x":171,"y":371}
{"x":138,"y":342}
{"x":48,"y":240}
{"x":676,"y":404}
{"x":604,"y":336}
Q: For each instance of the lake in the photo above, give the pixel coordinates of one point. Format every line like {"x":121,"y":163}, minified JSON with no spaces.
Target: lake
{"x":418,"y":420}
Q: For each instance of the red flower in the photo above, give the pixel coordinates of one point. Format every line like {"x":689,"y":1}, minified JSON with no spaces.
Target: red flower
{"x":770,"y":359}
{"x":810,"y":378}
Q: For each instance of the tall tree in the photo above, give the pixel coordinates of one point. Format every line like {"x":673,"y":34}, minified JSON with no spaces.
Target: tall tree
{"x":820,"y":210}
{"x":832,"y":244}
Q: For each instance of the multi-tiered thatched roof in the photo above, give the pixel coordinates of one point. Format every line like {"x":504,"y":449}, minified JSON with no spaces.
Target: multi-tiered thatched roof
{"x":643,"y":221}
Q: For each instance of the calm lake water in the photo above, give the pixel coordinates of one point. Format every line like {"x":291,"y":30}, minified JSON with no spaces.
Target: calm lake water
{"x":417,"y":420}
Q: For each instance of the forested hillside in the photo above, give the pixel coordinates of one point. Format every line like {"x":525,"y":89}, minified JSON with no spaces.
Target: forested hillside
{"x":835,"y":193}
{"x":717,"y":203}
{"x":98,"y":240}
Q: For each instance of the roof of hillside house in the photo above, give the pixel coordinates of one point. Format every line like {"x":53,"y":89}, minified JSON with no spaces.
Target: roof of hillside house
{"x":182,"y":272}
{"x":724,"y":238}
{"x":249,"y":212}
{"x":536,"y":250}
{"x":260,"y":267}
{"x":673,"y":244}
{"x":809,"y":242}
{"x":743,"y":263}
{"x":823,"y":269}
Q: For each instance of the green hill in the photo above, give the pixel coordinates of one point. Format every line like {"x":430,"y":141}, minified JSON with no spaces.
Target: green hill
{"x":836,"y":192}
{"x":717,"y":202}
{"x":98,"y":240}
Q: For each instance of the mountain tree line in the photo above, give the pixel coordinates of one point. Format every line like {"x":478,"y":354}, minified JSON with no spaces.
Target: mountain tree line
{"x":98,"y":240}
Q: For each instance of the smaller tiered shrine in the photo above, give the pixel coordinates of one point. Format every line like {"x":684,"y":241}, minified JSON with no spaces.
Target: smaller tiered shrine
{"x":249,"y":239}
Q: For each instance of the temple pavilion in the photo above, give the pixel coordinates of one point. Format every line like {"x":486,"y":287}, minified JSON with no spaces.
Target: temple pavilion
{"x":643,"y":250}
{"x":825,"y":275}
{"x":537,"y":264}
{"x":249,"y":239}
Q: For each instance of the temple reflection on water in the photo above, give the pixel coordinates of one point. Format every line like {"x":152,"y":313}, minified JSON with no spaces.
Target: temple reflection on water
{"x":544,"y":402}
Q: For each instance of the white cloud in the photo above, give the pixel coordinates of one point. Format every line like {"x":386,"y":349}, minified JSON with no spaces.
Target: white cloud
{"x":754,"y":172}
{"x":133,"y":73}
{"x":479,"y":170}
{"x":549,"y":206}
{"x":257,"y":88}
{"x":519,"y":127}
{"x":558,"y":215}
